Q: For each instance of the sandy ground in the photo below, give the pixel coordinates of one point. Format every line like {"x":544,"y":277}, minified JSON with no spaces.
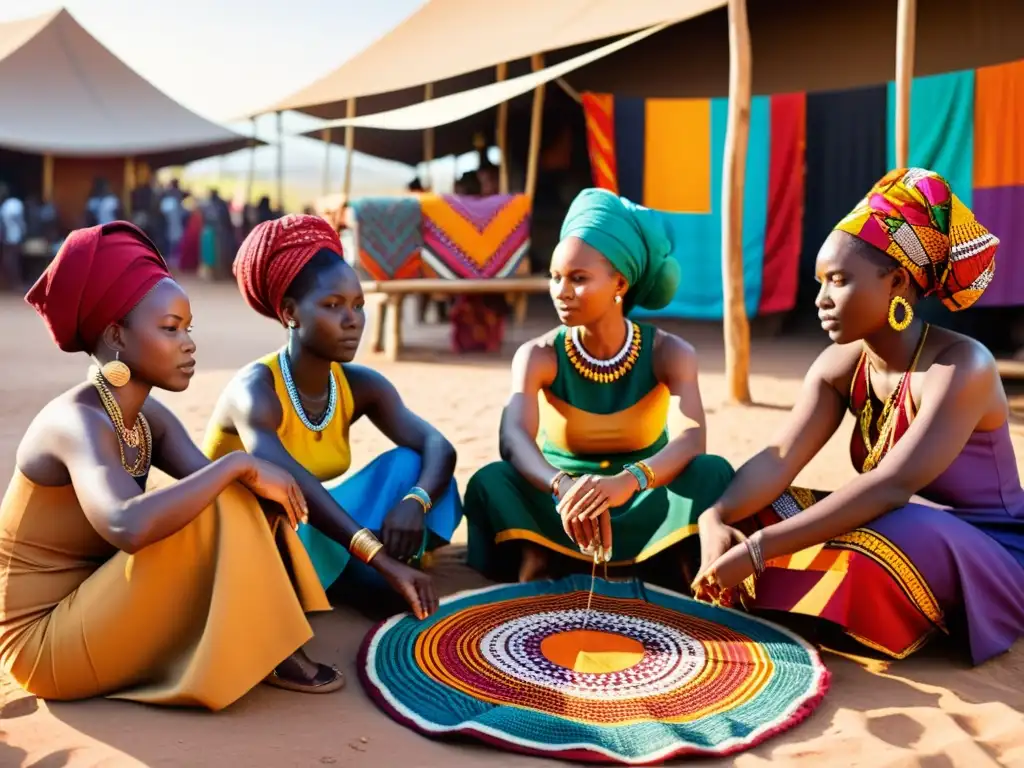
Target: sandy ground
{"x":931,"y":710}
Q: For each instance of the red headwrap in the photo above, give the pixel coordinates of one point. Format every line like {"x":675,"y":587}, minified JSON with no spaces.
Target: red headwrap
{"x":97,"y":278}
{"x":274,"y":253}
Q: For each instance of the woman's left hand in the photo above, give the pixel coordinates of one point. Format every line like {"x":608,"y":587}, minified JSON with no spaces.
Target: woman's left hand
{"x":724,"y":574}
{"x":402,"y":532}
{"x":590,"y":497}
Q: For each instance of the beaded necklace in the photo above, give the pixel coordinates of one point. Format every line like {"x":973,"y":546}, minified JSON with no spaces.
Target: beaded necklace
{"x":604,"y":371}
{"x":293,"y":395}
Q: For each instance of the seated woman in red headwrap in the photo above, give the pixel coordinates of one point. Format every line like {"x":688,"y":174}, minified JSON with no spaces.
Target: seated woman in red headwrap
{"x":294,"y":407}
{"x":187,"y":595}
{"x":930,"y":536}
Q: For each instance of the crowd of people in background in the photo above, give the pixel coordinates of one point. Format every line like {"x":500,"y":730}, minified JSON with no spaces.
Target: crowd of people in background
{"x":196,"y":234}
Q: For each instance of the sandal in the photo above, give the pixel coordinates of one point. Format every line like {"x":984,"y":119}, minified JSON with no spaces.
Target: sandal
{"x":326,"y":679}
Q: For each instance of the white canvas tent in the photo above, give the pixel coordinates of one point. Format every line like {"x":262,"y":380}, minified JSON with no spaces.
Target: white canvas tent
{"x":66,"y":95}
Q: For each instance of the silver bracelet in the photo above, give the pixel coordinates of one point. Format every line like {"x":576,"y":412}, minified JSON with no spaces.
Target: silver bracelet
{"x":756,"y":555}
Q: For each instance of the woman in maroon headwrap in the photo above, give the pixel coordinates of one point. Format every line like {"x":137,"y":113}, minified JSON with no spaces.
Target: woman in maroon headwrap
{"x":178,"y":596}
{"x":295,"y":406}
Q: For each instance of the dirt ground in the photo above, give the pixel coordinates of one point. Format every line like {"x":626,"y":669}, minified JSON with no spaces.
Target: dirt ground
{"x":931,"y":710}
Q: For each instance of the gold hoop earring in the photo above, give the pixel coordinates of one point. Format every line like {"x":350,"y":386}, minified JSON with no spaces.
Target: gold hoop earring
{"x":908,"y":313}
{"x":115,"y":372}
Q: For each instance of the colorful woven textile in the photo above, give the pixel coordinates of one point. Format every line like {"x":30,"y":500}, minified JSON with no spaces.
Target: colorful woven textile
{"x":475,"y":237}
{"x":644,"y":676}
{"x":390,"y":236}
{"x":667,"y":154}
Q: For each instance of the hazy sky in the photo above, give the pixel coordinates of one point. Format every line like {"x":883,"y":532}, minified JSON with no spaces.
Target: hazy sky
{"x":224,"y":58}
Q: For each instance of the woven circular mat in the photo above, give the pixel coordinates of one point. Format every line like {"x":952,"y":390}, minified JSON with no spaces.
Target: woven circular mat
{"x":646,"y":675}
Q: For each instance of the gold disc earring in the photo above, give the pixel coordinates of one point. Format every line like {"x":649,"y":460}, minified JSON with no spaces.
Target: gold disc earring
{"x":115,"y":372}
{"x":908,"y":313}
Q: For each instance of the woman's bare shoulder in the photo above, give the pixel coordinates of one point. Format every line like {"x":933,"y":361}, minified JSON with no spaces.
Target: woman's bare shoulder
{"x":65,"y":424}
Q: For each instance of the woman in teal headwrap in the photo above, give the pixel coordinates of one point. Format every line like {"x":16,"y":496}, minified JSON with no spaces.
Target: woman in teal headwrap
{"x":587,"y":462}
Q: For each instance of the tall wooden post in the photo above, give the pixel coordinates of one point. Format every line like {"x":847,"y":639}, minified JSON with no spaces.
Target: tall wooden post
{"x":47,"y":178}
{"x":128,"y":185}
{"x":250,"y":178}
{"x":326,"y":186}
{"x":428,"y":142}
{"x":280,"y":161}
{"x":501,"y":134}
{"x":906,"y":21}
{"x":350,"y":147}
{"x":737,"y":327}
{"x":536,"y":124}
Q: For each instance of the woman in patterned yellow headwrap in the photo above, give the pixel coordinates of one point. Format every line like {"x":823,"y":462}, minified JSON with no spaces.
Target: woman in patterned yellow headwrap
{"x":930,"y":535}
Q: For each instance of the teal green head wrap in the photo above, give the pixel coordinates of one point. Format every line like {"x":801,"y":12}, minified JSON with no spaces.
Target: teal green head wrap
{"x":632,"y":238}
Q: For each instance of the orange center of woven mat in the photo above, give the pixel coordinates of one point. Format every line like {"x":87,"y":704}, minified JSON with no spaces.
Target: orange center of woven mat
{"x":583,"y":650}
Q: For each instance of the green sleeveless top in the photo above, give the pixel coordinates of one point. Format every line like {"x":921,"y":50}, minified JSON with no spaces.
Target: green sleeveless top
{"x":595,"y":427}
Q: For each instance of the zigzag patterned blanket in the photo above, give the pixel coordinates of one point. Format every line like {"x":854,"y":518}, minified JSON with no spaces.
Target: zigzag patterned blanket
{"x":475,"y":237}
{"x":390,"y":236}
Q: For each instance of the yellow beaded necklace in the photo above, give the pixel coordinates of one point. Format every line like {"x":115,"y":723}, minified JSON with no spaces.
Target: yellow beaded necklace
{"x":604,"y":371}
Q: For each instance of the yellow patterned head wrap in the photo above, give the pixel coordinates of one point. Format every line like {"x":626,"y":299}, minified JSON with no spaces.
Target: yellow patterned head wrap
{"x":912,"y":215}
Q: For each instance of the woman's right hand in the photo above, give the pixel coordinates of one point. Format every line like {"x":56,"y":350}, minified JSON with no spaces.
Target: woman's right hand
{"x":416,"y":587}
{"x":716,"y":538}
{"x":273,"y":483}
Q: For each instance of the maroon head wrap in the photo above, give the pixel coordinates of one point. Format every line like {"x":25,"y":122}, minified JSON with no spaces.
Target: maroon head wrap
{"x":274,"y":253}
{"x":97,"y":277}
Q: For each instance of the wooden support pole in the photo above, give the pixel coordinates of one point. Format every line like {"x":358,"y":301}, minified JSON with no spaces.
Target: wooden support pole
{"x":47,"y":178}
{"x":327,"y":161}
{"x":350,"y":147}
{"x":737,"y":327}
{"x":536,"y":124}
{"x":128,"y":185}
{"x":906,"y":22}
{"x":428,"y":142}
{"x":501,"y":133}
{"x":250,"y":179}
{"x":280,"y":161}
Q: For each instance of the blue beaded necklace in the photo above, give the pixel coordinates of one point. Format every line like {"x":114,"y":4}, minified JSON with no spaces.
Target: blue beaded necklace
{"x":293,"y":395}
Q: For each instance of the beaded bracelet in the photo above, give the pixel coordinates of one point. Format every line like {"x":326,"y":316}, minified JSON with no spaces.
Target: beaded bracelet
{"x":644,"y":474}
{"x":648,"y":472}
{"x":364,"y":545}
{"x":636,"y":472}
{"x":421,"y":496}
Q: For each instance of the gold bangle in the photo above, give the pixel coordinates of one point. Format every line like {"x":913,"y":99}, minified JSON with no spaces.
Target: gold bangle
{"x":421,"y":501}
{"x":364,"y":545}
{"x":651,"y":478}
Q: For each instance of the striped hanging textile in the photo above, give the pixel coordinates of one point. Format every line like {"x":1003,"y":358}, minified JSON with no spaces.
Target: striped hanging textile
{"x":667,"y":155}
{"x":999,"y":175}
{"x":845,"y":154}
{"x":941,"y":128}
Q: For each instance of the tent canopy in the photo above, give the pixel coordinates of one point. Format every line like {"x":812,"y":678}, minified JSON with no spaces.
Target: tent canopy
{"x":456,"y":106}
{"x":798,"y":45}
{"x":65,"y":94}
{"x":446,"y":38}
